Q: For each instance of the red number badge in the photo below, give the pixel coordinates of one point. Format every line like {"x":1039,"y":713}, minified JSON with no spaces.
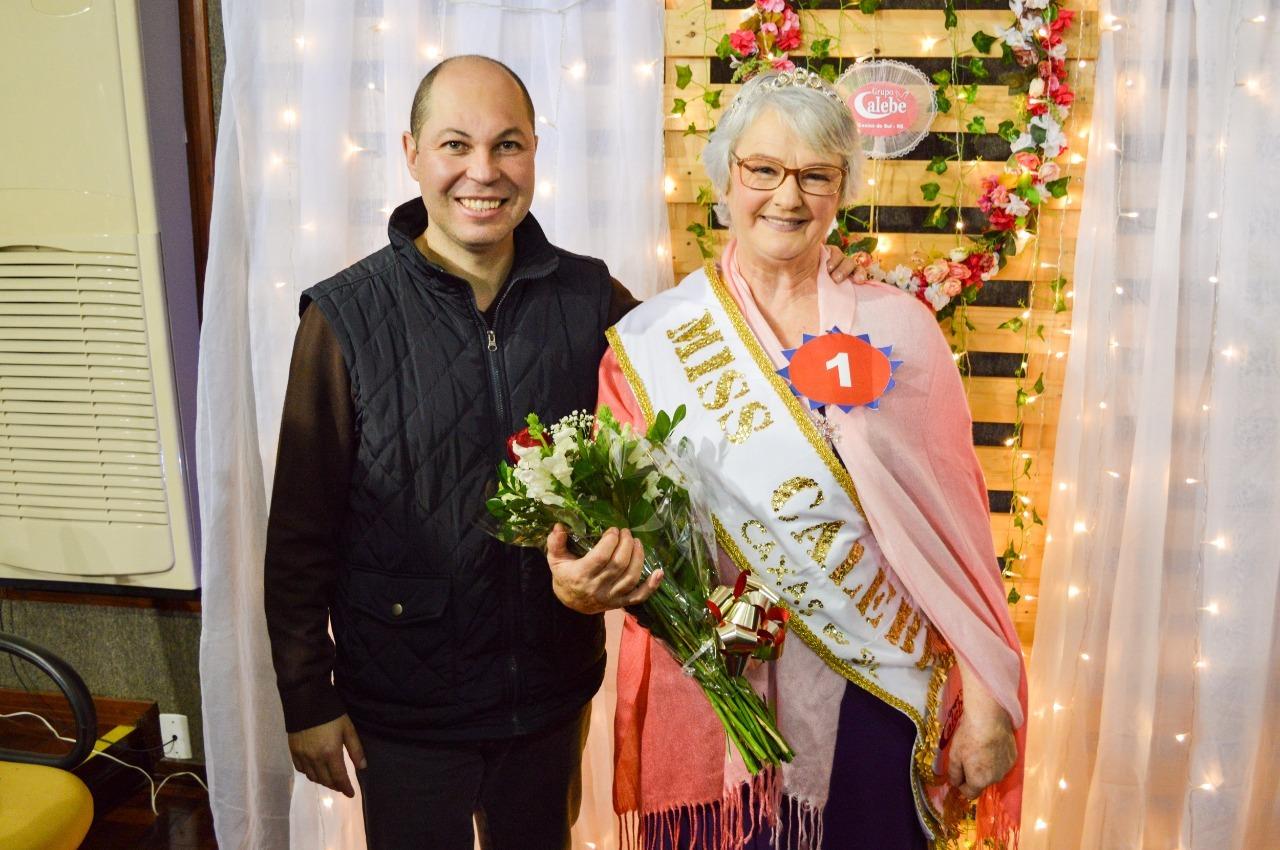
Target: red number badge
{"x":840,"y":369}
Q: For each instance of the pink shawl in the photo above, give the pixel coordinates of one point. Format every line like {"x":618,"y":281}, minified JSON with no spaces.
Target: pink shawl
{"x":922,"y":488}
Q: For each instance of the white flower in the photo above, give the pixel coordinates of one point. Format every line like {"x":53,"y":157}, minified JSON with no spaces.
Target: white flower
{"x":1058,"y":51}
{"x":958,"y":255}
{"x":876,"y":271}
{"x":1017,"y":206}
{"x":1024,"y":142}
{"x":538,"y":478}
{"x":902,"y":277}
{"x":1055,"y":140}
{"x":1037,"y":88}
{"x":1012,"y":37}
{"x":936,"y":297}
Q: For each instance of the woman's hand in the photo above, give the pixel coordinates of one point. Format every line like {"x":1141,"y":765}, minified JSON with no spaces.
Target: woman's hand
{"x":840,"y":265}
{"x":609,"y":576}
{"x":983,"y":749}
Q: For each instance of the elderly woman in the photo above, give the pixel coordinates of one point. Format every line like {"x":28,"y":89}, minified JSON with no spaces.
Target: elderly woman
{"x":902,"y":685}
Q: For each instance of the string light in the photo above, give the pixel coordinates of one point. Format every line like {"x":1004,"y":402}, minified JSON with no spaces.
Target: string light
{"x":545,"y":188}
{"x":1212,"y":608}
{"x":1113,"y":473}
{"x":353,"y":149}
{"x":660,"y":250}
{"x":883,"y":243}
{"x":1057,"y":707}
{"x":1213,"y":214}
{"x":371,"y":85}
{"x":1084,"y":656}
{"x":1072,"y":591}
{"x":1076,"y":159}
{"x":1202,"y":664}
{"x":1128,"y":214}
{"x":276,"y":160}
{"x":959,"y":226}
{"x":927,"y":43}
{"x":1193,"y":480}
{"x":1062,"y":485}
{"x":1213,"y":278}
{"x":328,"y":802}
{"x":1102,"y":405}
{"x":289,"y":116}
{"x":1258,"y":19}
{"x":1062,"y":783}
{"x":871,"y":181}
{"x":1218,"y":542}
{"x":301,"y":41}
{"x":381,"y":26}
{"x":1180,"y":737}
{"x":1041,"y":825}
{"x":578,"y":70}
{"x":431,"y":51}
{"x":1080,"y":528}
{"x":1229,"y":352}
{"x":280,"y":284}
{"x":1252,"y":85}
{"x":645,"y":69}
{"x":1119,"y":290}
{"x":668,"y":185}
{"x":1207,"y":786}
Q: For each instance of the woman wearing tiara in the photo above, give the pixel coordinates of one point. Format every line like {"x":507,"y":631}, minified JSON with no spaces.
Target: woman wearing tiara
{"x":902,"y":687}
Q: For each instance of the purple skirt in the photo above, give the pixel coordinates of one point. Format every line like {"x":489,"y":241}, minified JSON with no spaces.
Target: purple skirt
{"x":870,"y":806}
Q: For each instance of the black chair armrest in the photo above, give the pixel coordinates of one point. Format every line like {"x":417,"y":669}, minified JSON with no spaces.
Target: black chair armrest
{"x":72,"y":687}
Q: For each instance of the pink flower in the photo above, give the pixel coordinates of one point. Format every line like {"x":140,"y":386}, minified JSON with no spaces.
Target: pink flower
{"x":863,"y":259}
{"x":861,"y":275}
{"x":951,"y":288}
{"x":937,"y":271}
{"x":783,"y":65}
{"x":789,"y":36}
{"x":1027,"y":160}
{"x":776,"y":6}
{"x":769,"y":29}
{"x":790,"y":21}
{"x":743,"y":41}
{"x":959,"y":271}
{"x":1050,"y":172}
{"x":1025,"y":56}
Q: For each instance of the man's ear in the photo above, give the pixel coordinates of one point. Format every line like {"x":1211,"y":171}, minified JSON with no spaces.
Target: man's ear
{"x":410,"y":147}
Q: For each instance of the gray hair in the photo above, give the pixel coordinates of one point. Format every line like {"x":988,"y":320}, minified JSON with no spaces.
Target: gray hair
{"x":815,"y":114}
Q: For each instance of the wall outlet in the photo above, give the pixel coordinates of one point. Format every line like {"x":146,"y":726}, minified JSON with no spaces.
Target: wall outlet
{"x":175,"y":734}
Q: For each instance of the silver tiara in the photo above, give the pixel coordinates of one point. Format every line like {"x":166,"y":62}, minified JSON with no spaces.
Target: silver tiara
{"x":802,"y":77}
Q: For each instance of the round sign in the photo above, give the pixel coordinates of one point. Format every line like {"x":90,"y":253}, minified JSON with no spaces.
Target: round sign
{"x":840,"y":369}
{"x":883,"y":108}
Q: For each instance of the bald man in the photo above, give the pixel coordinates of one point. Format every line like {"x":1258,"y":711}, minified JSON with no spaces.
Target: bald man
{"x":456,"y":680}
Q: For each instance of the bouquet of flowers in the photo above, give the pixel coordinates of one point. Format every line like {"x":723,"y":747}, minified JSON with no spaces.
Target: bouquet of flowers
{"x":591,"y":473}
{"x":769,"y":30}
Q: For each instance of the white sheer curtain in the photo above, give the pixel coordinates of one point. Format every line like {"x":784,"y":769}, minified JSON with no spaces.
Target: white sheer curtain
{"x":308,"y":166}
{"x":1155,"y":674}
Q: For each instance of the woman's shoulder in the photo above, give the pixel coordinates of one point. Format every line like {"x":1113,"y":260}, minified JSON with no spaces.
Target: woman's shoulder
{"x":690,"y":288}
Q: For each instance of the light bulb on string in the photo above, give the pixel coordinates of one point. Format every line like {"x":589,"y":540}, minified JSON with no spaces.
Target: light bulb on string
{"x":578,"y":70}
{"x":431,"y":51}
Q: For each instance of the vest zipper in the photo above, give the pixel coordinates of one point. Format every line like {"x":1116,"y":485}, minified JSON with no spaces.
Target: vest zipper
{"x":511,"y":602}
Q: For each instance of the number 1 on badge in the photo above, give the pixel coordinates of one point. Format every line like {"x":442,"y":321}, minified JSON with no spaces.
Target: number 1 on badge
{"x":841,"y":364}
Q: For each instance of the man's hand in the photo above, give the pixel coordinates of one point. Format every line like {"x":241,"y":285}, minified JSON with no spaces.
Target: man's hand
{"x":609,"y":576}
{"x":317,"y":752}
{"x":984,"y":748}
{"x":840,"y":265}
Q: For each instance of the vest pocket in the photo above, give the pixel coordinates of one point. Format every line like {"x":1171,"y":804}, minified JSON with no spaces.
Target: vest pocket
{"x":397,"y":599}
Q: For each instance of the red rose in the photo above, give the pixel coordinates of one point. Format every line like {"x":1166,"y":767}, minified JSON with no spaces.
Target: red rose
{"x":788,"y":40}
{"x":1064,"y":97}
{"x":1038,"y":107}
{"x":520,"y":438}
{"x":1001,"y":220}
{"x":1064,"y":19}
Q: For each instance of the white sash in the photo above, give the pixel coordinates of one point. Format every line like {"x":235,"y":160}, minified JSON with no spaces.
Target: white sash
{"x":784,"y":505}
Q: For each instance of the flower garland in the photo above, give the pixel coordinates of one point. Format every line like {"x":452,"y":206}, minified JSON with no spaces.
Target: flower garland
{"x":769,"y":31}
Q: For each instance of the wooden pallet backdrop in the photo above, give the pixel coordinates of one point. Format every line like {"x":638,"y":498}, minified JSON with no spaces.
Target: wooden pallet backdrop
{"x":913,"y":31}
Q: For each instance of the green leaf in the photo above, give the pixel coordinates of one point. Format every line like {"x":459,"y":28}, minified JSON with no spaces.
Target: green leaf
{"x":868,"y":7}
{"x":978,"y":68}
{"x":866,"y":243}
{"x":1038,"y":134}
{"x":1031,"y":195}
{"x":938,"y":165}
{"x":983,"y":42}
{"x":1014,"y":324}
{"x":712,"y":98}
{"x":1058,"y":188}
{"x":930,"y":191}
{"x":949,"y":15}
{"x":723,"y":47}
{"x":684,"y":76}
{"x":828,"y":72}
{"x":1007,"y":131}
{"x":706,"y":196}
{"x":944,"y":102}
{"x":697,"y":229}
{"x":1026,"y":466}
{"x":1036,"y":518}
{"x":1039,"y":385}
{"x":942,"y":77}
{"x":691,"y":130}
{"x":1014,"y":596}
{"x":969,"y":92}
{"x":820,"y":48}
{"x":678,"y":106}
{"x":937,"y":217}
{"x":978,"y":124}
{"x":1040,"y":331}
{"x":1021,"y":399}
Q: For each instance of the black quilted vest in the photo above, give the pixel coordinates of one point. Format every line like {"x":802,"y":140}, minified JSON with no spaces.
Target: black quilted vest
{"x":441,"y":631}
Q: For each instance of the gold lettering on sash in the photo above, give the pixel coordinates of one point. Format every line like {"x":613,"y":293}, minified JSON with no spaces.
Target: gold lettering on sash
{"x":694,"y":335}
{"x":875,"y":597}
{"x":721,"y":359}
{"x":835,"y":634}
{"x":811,"y":606}
{"x":724,"y":389}
{"x":784,"y":491}
{"x":781,"y":570}
{"x":846,"y":566}
{"x":747,"y":424}
{"x":901,"y":631}
{"x":764,"y":548}
{"x":935,"y":649}
{"x":796,"y":591}
{"x":823,"y":535}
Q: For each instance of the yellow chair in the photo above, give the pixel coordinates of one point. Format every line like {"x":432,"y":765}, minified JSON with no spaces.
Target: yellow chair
{"x":43,"y":806}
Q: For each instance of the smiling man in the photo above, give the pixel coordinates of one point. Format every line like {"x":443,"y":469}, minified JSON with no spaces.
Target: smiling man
{"x":459,"y":685}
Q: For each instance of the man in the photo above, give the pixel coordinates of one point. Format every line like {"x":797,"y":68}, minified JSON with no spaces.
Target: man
{"x":459,"y":685}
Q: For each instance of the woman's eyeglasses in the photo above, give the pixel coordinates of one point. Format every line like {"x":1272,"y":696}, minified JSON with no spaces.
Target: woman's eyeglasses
{"x":762,"y":172}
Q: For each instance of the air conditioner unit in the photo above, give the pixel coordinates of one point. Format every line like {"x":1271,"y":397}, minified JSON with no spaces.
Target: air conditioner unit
{"x":98,"y":323}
